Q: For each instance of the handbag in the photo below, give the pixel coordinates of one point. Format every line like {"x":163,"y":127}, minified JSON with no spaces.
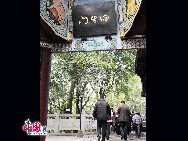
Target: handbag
{"x":134,"y":125}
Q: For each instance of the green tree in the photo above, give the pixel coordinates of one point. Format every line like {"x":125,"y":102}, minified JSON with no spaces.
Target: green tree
{"x":88,"y":72}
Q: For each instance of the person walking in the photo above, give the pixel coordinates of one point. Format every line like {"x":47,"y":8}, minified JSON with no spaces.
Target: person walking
{"x":138,"y":121}
{"x":124,"y":115}
{"x":109,"y":123}
{"x":102,"y":113}
{"x":117,"y":124}
{"x":114,"y":122}
{"x":129,"y":125}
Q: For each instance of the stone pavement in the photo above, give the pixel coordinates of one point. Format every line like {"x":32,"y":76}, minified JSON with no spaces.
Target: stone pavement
{"x":113,"y":137}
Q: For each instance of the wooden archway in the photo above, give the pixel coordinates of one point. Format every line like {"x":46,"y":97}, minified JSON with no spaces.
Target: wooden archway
{"x":47,"y":35}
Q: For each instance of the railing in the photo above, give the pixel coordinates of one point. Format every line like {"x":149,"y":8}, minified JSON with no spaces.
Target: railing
{"x":57,"y":122}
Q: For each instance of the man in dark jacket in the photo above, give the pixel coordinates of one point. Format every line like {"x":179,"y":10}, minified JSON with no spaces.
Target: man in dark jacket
{"x":124,"y":115}
{"x":102,"y":113}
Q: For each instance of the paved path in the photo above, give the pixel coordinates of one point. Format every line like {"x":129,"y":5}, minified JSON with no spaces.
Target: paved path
{"x":113,"y":137}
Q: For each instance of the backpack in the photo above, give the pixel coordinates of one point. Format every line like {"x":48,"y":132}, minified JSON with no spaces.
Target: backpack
{"x":102,"y":110}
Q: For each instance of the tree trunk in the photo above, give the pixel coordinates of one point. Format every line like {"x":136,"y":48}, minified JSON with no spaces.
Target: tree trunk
{"x":77,"y":94}
{"x":88,"y":98}
{"x":77,"y":99}
{"x":71,"y":93}
{"x":97,"y":96}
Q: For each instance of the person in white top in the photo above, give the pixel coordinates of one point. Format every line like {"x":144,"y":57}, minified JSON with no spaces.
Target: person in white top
{"x":137,"y":119}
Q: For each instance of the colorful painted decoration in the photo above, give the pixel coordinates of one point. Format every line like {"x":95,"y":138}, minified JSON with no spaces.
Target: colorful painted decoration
{"x":98,"y":44}
{"x":56,"y":14}
{"x":127,"y":10}
{"x":102,"y":44}
{"x":133,"y":43}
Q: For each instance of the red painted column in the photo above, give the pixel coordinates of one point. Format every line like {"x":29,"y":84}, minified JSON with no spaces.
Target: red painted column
{"x":44,"y":87}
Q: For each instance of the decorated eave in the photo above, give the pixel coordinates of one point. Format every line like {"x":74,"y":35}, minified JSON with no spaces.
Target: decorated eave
{"x":47,"y":34}
{"x":137,"y":28}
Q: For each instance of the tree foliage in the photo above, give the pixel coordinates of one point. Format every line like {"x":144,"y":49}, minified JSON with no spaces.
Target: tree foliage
{"x":87,"y":72}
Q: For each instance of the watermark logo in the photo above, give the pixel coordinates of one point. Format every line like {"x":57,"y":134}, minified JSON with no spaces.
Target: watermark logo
{"x":34,"y":129}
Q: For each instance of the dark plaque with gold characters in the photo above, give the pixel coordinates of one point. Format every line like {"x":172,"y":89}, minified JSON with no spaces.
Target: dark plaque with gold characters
{"x":94,"y":19}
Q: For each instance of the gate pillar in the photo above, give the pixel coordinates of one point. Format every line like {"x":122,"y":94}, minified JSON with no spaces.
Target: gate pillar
{"x":44,"y":87}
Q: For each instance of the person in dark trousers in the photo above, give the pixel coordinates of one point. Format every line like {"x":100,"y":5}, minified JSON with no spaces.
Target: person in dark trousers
{"x":124,"y":115}
{"x":114,"y":122}
{"x":117,"y":125}
{"x":102,"y":113}
{"x":129,"y":125}
{"x":109,"y":123}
